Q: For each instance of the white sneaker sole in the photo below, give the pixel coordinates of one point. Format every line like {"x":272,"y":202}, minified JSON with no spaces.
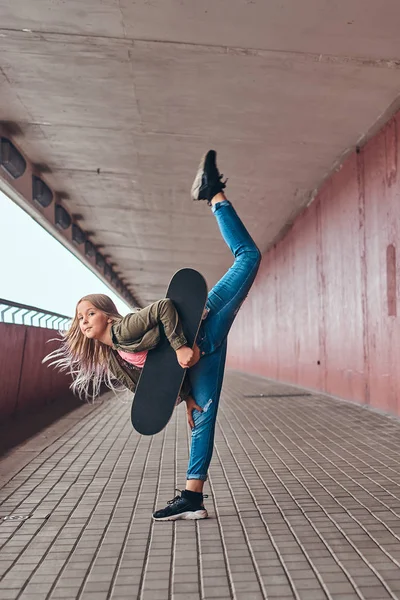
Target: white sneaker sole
{"x":197,"y":181}
{"x":192,"y":515}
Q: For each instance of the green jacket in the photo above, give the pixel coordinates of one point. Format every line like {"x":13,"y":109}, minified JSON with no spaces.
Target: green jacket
{"x":140,"y":331}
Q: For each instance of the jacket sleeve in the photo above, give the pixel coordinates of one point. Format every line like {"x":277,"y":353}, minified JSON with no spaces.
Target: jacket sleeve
{"x":134,"y":325}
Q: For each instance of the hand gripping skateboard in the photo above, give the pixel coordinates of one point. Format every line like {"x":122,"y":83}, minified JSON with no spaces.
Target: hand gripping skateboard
{"x":162,"y":376}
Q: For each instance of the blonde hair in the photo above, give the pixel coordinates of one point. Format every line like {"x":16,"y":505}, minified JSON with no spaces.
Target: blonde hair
{"x":86,"y":360}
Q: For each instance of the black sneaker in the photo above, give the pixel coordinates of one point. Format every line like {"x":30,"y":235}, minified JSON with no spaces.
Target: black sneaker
{"x":207,"y":182}
{"x":186,"y":506}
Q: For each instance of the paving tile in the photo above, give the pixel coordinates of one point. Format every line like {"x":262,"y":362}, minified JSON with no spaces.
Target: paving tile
{"x":62,"y":594}
{"x":154,"y":595}
{"x":188,"y":587}
{"x":185,"y":596}
{"x":219,"y":592}
{"x":249,"y":596}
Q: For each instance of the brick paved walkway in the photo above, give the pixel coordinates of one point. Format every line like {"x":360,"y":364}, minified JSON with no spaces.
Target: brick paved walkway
{"x":304,"y":503}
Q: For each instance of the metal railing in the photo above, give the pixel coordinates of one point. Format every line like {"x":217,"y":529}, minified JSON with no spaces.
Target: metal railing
{"x":22,"y":314}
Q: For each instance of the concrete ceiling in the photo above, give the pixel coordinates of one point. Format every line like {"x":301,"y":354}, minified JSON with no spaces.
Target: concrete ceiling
{"x":282,"y":89}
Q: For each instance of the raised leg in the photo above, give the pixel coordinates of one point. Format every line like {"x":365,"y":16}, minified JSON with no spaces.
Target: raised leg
{"x":226,"y":297}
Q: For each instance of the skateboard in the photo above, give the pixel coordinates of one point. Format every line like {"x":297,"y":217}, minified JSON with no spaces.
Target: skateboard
{"x":162,"y":377}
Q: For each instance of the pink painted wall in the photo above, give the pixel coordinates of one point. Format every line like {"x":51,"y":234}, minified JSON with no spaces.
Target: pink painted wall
{"x":323,"y":311}
{"x":25,"y":384}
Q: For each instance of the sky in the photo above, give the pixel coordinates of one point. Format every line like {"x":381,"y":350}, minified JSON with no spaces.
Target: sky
{"x":36,"y":269}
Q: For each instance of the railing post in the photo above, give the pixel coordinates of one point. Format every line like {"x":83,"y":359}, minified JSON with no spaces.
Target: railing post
{"x":21,"y":371}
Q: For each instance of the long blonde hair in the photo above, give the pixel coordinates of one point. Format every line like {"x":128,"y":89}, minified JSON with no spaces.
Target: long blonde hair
{"x":86,"y":360}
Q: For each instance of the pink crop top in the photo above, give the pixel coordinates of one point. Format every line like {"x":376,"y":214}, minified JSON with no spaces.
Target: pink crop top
{"x":135,"y":358}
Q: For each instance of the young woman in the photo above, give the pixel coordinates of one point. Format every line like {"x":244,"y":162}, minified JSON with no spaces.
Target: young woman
{"x":101,"y":346}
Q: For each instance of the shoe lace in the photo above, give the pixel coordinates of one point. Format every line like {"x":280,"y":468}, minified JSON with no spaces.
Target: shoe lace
{"x":176,"y":497}
{"x":180,"y":496}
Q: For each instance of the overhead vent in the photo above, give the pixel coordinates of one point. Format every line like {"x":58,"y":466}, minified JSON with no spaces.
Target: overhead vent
{"x":62,"y":218}
{"x":90,"y":250}
{"x":107,"y":271}
{"x":41,"y":193}
{"x":11,"y":159}
{"x":100,"y":262}
{"x":78,"y":236}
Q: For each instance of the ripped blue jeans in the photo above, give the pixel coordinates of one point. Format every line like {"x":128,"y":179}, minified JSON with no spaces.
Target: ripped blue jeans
{"x":224,"y":301}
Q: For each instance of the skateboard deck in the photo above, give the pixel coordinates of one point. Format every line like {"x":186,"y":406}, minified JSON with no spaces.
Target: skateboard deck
{"x":162,"y":376}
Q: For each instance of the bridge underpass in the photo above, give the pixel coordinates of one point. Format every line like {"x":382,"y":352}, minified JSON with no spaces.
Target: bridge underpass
{"x":111,"y":108}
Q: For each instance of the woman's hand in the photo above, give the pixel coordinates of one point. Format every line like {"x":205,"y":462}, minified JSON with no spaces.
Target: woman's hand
{"x":188,"y":357}
{"x":190,"y":407}
{"x":184,"y":354}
